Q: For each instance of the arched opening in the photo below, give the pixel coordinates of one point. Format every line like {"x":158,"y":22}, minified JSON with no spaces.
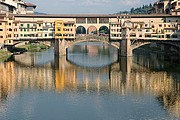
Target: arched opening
{"x":163,"y":47}
{"x":80,"y":30}
{"x":92,"y":30}
{"x":95,"y":53}
{"x":103,"y":31}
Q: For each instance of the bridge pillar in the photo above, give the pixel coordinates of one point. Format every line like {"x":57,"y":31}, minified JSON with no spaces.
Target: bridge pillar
{"x":125,"y":44}
{"x":60,"y":47}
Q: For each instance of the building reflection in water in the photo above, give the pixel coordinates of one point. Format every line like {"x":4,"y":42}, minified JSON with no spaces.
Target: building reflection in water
{"x":129,"y":77}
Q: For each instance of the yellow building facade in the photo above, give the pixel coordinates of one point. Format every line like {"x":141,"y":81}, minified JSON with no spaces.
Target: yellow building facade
{"x":6,"y":29}
{"x":65,"y":30}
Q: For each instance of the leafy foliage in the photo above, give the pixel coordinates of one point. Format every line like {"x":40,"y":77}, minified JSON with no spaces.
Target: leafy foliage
{"x":140,"y":10}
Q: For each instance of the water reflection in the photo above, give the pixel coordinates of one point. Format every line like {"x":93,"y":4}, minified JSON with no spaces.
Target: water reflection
{"x":92,"y":70}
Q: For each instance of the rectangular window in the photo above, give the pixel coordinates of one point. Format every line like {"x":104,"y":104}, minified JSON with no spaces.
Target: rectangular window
{"x":16,"y":35}
{"x":92,"y":20}
{"x":50,"y":34}
{"x":28,"y":26}
{"x":80,"y":20}
{"x":167,"y":36}
{"x":103,"y":20}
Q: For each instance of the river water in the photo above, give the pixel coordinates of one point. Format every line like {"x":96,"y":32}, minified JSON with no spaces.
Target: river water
{"x":91,"y":83}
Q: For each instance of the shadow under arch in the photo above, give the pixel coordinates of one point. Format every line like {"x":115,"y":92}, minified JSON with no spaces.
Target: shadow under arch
{"x":136,"y":44}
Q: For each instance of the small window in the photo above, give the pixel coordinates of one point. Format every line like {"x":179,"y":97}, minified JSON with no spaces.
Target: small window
{"x":28,"y":26}
{"x":167,"y":36}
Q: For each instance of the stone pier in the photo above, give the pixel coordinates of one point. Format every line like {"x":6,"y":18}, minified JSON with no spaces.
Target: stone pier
{"x":125,"y":49}
{"x":60,"y":47}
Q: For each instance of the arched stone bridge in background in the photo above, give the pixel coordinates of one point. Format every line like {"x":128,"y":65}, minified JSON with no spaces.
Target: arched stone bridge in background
{"x":18,"y":43}
{"x":125,"y":45}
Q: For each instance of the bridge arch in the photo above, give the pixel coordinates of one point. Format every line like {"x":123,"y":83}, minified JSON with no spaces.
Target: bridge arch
{"x":21,"y":43}
{"x":92,"y":30}
{"x":81,"y":30}
{"x":90,"y":40}
{"x":103,"y":30}
{"x":139,"y":43}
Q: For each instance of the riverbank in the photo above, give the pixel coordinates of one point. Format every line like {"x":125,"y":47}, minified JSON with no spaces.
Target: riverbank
{"x":4,"y":55}
{"x":33,"y":47}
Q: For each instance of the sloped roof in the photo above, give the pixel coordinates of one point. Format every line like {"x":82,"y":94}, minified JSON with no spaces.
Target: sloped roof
{"x":30,"y":5}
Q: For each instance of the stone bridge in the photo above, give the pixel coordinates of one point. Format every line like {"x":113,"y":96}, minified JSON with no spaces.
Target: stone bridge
{"x":126,"y":45}
{"x":61,"y":46}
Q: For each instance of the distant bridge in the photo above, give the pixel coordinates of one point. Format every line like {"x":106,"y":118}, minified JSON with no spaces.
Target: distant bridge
{"x":21,"y":42}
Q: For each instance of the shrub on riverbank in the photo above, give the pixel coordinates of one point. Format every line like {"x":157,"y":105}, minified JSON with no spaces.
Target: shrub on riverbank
{"x":4,"y":55}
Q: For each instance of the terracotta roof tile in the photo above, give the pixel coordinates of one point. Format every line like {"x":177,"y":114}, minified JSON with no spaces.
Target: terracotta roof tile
{"x":30,"y":5}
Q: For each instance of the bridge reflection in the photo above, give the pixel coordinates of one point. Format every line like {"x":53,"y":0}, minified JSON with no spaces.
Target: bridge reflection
{"x":125,"y":77}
